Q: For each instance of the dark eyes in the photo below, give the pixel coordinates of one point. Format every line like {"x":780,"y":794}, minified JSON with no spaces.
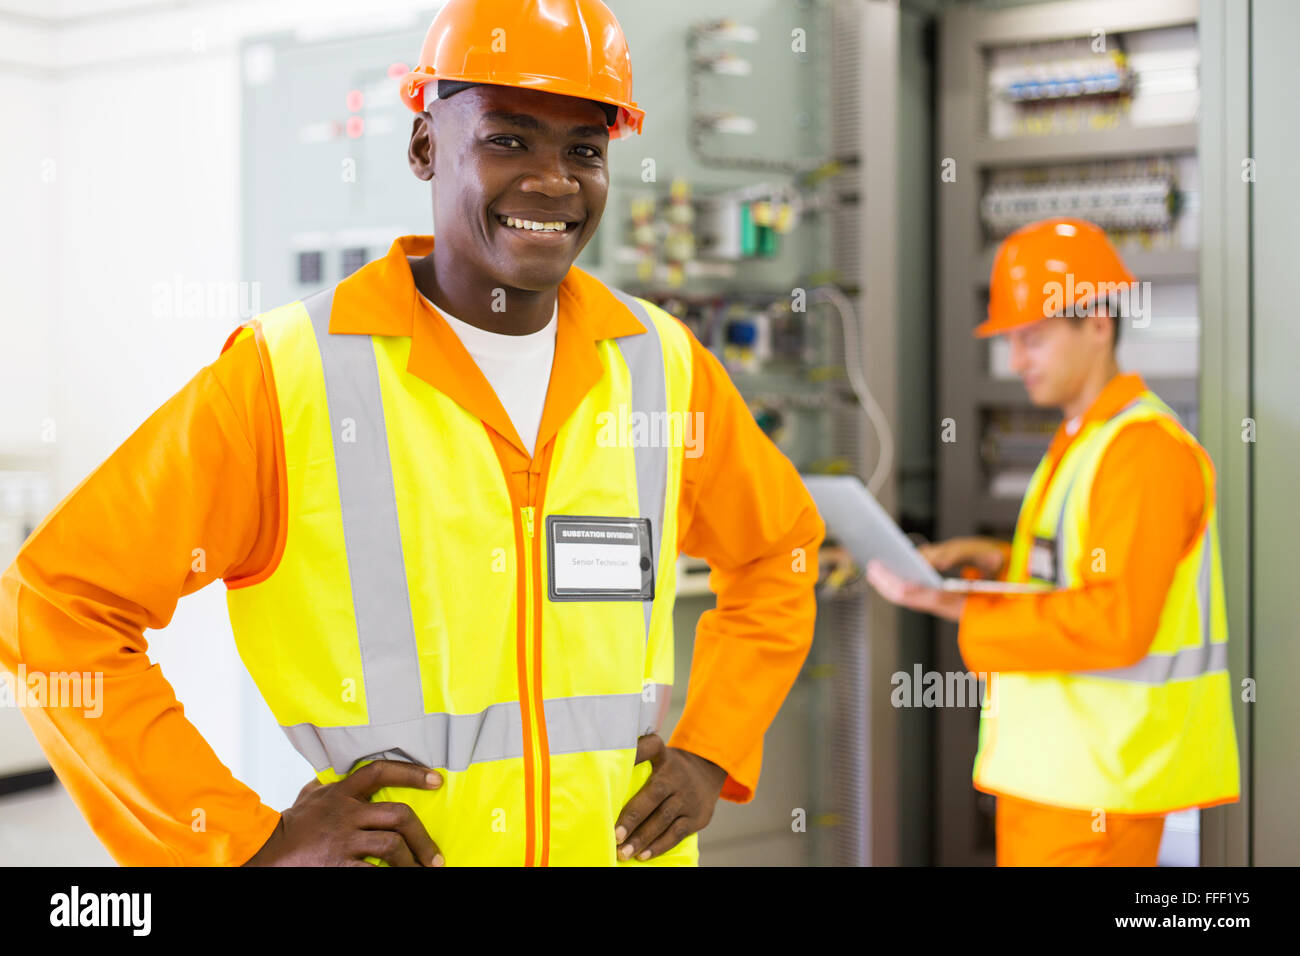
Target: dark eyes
{"x":506,"y":141}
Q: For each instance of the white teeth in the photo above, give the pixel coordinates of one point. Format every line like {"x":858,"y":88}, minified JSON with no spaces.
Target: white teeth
{"x":535,"y":226}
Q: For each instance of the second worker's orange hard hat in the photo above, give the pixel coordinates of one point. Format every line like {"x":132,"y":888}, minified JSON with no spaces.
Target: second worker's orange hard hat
{"x":567,"y":47}
{"x":1046,"y":267}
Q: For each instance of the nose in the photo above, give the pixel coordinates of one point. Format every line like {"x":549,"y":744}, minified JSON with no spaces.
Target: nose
{"x":550,"y":177}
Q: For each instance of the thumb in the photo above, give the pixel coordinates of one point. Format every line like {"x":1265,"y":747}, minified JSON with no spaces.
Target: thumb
{"x":650,"y":747}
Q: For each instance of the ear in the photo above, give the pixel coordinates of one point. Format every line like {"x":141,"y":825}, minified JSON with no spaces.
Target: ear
{"x":419,"y":154}
{"x":1099,"y":325}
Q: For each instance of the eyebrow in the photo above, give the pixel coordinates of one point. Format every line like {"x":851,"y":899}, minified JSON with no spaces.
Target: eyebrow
{"x":531,"y":122}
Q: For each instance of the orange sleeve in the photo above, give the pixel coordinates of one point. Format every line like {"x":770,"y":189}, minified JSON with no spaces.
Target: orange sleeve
{"x":745,"y":510}
{"x":188,"y":498}
{"x":1147,"y":506}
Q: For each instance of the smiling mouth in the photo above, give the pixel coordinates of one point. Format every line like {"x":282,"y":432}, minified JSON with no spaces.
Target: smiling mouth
{"x":540,"y":230}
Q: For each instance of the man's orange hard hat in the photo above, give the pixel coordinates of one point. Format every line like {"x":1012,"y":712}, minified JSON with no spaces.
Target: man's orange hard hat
{"x":568,"y":47}
{"x":1046,"y":267}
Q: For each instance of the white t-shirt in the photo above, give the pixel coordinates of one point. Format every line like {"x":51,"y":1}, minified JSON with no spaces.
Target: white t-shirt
{"x":518,"y":367}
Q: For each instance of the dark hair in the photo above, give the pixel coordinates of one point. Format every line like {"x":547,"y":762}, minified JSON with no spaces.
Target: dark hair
{"x":448,"y":88}
{"x":1114,"y":307}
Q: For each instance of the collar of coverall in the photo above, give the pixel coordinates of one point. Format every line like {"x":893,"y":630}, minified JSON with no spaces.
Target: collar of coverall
{"x":380,"y":298}
{"x":1117,"y":393}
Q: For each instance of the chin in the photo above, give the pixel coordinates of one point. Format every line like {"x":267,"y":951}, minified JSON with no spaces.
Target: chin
{"x":1038,"y":396}
{"x":537,"y":279}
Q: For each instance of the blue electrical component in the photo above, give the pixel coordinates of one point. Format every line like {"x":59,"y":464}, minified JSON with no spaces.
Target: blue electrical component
{"x":742,"y":333}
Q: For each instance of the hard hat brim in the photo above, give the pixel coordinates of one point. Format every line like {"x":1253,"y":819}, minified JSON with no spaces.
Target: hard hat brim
{"x":631,"y":118}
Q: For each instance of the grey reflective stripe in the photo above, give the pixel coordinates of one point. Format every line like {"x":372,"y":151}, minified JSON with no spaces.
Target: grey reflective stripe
{"x":455,"y":741}
{"x":1161,"y":668}
{"x":580,"y":724}
{"x":644,"y":356}
{"x":389,"y":662}
{"x":655,"y":699}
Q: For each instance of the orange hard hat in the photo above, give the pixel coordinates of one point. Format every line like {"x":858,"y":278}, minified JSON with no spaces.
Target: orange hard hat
{"x":568,"y":47}
{"x":1046,"y":267}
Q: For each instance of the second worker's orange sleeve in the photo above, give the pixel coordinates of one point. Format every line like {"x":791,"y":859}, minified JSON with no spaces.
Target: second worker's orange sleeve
{"x":1146,"y":508}
{"x":185,"y":500}
{"x":744,"y":510}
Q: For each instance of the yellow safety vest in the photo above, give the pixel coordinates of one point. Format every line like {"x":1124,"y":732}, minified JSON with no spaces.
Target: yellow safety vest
{"x":1151,"y":738}
{"x":403,"y":617}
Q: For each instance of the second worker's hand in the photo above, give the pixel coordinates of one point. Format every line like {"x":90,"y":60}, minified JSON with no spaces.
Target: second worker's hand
{"x":336,"y":824}
{"x":677,"y":800}
{"x":918,"y":597}
{"x":985,"y":554}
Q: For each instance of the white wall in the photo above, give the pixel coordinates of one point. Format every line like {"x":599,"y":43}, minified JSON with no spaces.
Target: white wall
{"x":28,"y":131}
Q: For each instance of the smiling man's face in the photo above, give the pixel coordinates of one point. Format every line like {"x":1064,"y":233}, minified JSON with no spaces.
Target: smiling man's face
{"x":499,"y":154}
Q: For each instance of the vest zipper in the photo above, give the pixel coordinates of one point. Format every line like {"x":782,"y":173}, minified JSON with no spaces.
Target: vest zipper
{"x":538,"y":753}
{"x":537,"y":770}
{"x":536,"y":492}
{"x":528,"y":691}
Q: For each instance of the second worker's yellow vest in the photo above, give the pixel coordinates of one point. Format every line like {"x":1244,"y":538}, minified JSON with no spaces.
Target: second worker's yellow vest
{"x":404,"y":617}
{"x":1154,"y":737}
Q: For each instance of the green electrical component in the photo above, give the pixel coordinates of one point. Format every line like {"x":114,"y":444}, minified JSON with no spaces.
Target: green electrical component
{"x":748,"y":231}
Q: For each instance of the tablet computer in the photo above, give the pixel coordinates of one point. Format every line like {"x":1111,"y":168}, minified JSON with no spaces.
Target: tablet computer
{"x":857,"y":521}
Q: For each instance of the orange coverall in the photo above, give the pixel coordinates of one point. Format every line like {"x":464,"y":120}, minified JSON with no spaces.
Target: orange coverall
{"x":116,"y":554}
{"x":1146,"y":508}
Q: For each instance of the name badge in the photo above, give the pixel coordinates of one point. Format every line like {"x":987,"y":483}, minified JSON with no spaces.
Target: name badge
{"x":1042,"y":560}
{"x":599,"y":559}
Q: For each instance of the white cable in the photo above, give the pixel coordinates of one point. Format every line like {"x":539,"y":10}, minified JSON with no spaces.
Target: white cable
{"x":858,"y":381}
